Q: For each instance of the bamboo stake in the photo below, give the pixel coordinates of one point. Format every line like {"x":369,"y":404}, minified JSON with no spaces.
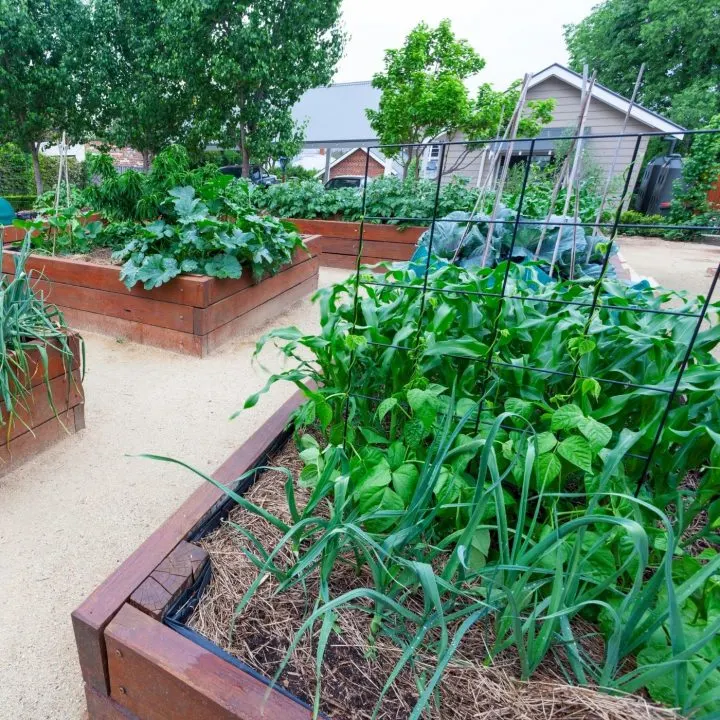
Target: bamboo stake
{"x":574,"y":171}
{"x":563,"y":171}
{"x":576,"y":213}
{"x":513,"y":129}
{"x":616,"y":156}
{"x":479,"y":203}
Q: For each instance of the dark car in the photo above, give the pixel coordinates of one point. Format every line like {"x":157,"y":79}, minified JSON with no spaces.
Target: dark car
{"x":345,"y":181}
{"x":258,"y":175}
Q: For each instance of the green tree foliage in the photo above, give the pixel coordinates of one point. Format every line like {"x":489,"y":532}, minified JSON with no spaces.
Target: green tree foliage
{"x":144,"y":104}
{"x":44,"y":72}
{"x":424,"y":94}
{"x":679,"y":40}
{"x":700,"y":174}
{"x":247,"y":64}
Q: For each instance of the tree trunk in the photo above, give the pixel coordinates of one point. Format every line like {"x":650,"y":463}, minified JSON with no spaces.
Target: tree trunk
{"x":245,"y":153}
{"x":35,"y":152}
{"x":146,"y":160}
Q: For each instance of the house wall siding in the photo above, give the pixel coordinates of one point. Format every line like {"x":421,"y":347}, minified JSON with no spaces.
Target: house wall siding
{"x":355,"y":165}
{"x":602,"y":119}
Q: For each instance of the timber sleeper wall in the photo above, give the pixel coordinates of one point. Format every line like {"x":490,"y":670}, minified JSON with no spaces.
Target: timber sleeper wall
{"x":37,"y":424}
{"x":340,"y":241}
{"x":137,"y":668}
{"x":192,"y":314}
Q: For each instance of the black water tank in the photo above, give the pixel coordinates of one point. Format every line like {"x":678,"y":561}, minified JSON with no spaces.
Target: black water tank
{"x":656,"y":187}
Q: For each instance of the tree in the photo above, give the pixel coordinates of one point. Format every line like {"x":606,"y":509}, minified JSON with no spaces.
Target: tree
{"x":143,"y":103}
{"x":424,"y":96}
{"x":700,"y":174}
{"x":679,"y":40}
{"x":248,"y":63}
{"x":44,"y":73}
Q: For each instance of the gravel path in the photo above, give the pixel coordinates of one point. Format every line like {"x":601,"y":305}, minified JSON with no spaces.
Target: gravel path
{"x":71,"y":515}
{"x":675,"y":265}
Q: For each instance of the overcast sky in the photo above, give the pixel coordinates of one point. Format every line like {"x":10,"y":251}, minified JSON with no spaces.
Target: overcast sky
{"x":514,"y":36}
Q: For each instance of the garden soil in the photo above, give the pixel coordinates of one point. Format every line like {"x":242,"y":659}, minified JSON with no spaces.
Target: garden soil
{"x":71,"y":515}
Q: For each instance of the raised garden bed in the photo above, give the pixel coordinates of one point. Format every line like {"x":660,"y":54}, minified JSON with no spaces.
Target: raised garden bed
{"x":340,"y":241}
{"x":133,"y":665}
{"x":192,"y":314}
{"x":37,"y":425}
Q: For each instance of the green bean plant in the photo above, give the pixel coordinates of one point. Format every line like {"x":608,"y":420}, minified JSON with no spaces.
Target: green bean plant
{"x":384,"y":350}
{"x":29,"y":327}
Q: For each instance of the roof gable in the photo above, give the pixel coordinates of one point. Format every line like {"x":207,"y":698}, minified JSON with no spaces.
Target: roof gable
{"x":609,"y":97}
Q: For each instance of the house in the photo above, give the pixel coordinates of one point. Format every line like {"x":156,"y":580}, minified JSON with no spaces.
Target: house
{"x":606,"y":116}
{"x":353,"y":163}
{"x":336,"y":120}
{"x":336,"y":124}
{"x":123,"y":158}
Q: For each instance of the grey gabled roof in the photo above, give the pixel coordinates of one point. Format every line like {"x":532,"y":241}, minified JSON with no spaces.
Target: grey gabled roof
{"x":335,"y":115}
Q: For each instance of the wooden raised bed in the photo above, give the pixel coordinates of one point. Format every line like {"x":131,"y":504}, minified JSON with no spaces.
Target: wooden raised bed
{"x":137,"y":668}
{"x":192,"y":314}
{"x":37,"y":425}
{"x":340,"y":241}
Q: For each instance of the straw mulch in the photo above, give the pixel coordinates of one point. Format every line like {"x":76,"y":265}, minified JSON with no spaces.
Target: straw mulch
{"x":353,"y":673}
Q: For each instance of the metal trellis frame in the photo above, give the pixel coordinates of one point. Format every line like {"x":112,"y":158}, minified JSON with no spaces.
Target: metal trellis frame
{"x":671,"y":389}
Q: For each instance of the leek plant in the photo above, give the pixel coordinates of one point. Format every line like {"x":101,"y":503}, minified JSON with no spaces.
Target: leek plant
{"x":523,"y":577}
{"x":29,"y":327}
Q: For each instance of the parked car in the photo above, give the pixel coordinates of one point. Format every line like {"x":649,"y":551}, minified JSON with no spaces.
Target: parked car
{"x":345,"y":181}
{"x":258,"y":175}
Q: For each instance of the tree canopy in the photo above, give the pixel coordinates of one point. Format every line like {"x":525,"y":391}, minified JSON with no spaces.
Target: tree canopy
{"x":246,"y":65}
{"x":142,"y":103}
{"x":424,"y":95}
{"x":44,"y":72}
{"x":679,"y":40}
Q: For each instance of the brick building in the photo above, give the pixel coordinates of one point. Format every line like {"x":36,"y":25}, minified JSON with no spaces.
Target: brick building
{"x":353,"y":163}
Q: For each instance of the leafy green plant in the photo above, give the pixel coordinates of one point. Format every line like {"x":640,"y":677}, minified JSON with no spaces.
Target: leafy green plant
{"x":197,"y":241}
{"x":384,"y":344}
{"x":67,"y":231}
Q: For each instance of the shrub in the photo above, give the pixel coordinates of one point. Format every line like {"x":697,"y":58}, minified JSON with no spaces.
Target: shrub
{"x":21,"y":202}
{"x":632,"y":217}
{"x":15,"y":171}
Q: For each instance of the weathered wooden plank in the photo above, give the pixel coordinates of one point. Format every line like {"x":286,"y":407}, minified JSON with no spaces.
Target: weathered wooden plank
{"x":183,"y":290}
{"x":57,"y":363}
{"x":371,"y":248}
{"x":351,"y":230}
{"x":218,"y":289}
{"x":93,"y":616}
{"x":261,"y":314}
{"x":29,"y":444}
{"x":138,"y":332}
{"x":103,"y":707}
{"x":173,"y":575}
{"x":112,"y":304}
{"x":235,"y":306}
{"x":159,"y":674}
{"x":35,"y":409}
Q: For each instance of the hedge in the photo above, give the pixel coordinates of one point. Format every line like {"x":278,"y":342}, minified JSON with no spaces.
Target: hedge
{"x":20,"y":202}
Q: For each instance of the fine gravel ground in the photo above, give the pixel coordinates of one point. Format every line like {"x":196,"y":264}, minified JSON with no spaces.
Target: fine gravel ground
{"x":71,"y":515}
{"x":675,"y":265}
